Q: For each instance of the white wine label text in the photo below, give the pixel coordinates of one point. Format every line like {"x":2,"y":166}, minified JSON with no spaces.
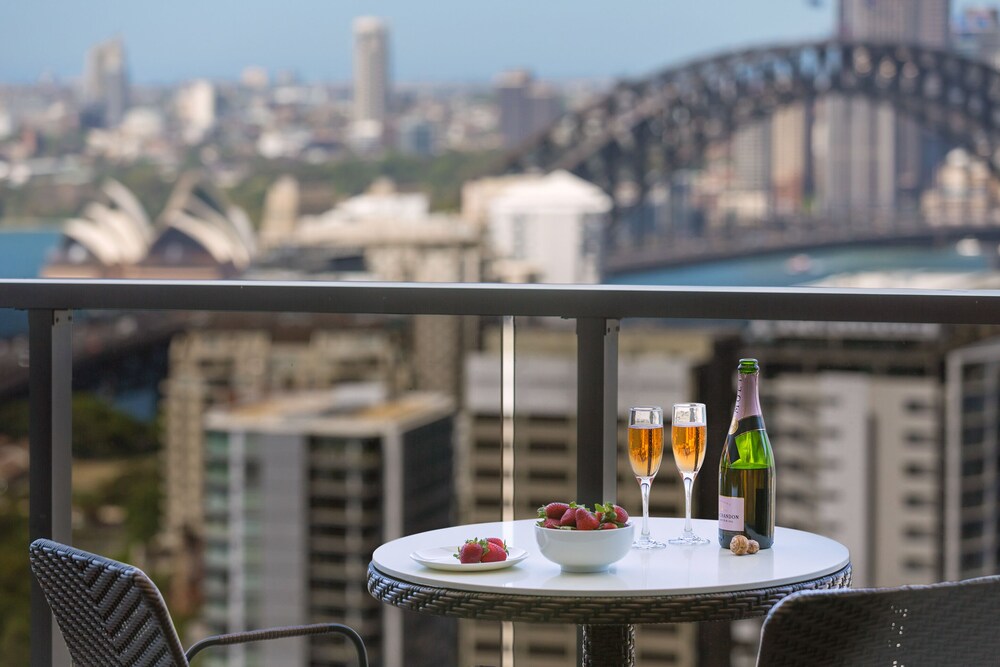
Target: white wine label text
{"x":731,"y":513}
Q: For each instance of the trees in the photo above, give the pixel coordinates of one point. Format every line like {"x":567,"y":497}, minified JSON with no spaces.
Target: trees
{"x":15,"y":583}
{"x":99,"y":430}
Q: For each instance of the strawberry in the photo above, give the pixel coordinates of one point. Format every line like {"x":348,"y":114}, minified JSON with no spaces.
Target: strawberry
{"x":569,"y":518}
{"x":472,"y":551}
{"x":586,"y":520}
{"x":608,"y":526}
{"x":494,"y":553}
{"x":552,"y":511}
{"x":613,"y":514}
{"x":622,"y":514}
{"x":550,"y":523}
{"x":498,"y":542}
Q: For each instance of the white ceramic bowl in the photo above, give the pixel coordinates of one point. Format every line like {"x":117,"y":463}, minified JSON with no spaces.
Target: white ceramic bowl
{"x":584,"y":550}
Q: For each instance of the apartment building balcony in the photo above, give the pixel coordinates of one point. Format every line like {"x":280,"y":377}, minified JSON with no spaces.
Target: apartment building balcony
{"x":598,"y":313}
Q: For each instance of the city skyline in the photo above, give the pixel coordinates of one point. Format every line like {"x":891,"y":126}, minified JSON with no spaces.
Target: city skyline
{"x":455,"y":42}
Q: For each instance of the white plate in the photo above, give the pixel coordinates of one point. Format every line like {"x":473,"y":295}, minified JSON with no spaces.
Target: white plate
{"x":443,"y":558}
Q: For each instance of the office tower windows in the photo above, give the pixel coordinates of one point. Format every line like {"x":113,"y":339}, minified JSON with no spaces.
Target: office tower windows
{"x":526,"y":106}
{"x":875,"y":158}
{"x":299,"y":490}
{"x":371,"y":69}
{"x":105,"y":84}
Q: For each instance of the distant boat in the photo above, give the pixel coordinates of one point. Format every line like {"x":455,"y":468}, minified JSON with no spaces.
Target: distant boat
{"x":969,"y":247}
{"x":798,"y":264}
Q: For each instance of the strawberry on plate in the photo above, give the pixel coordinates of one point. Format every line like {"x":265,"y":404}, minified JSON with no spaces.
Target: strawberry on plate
{"x":498,"y":542}
{"x":494,"y":552}
{"x":490,"y":550}
{"x":472,"y":551}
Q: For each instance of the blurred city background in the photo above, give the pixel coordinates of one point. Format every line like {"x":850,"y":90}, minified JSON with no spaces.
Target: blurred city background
{"x":241,"y":460}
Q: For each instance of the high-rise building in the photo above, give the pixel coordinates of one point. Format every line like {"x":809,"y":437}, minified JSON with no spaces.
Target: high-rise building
{"x":789,"y":150}
{"x":748,"y":191}
{"x":105,"y":84}
{"x":858,"y":463}
{"x":299,"y":490}
{"x":526,"y":106}
{"x":226,"y":366}
{"x":875,"y":158}
{"x":972,"y":462}
{"x":196,"y":110}
{"x":512,"y":96}
{"x":371,"y":70}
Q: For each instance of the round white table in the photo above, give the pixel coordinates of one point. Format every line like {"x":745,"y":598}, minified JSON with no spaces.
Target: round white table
{"x":670,"y":585}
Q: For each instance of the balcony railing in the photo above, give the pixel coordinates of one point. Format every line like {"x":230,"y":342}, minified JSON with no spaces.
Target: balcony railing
{"x":596,"y":309}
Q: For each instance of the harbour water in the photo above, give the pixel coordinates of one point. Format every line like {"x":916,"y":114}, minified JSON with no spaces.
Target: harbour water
{"x":22,"y":255}
{"x":23,"y":251}
{"x":788,"y":269}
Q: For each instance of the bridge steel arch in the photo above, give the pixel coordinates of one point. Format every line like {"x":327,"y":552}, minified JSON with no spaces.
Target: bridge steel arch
{"x":643,"y":131}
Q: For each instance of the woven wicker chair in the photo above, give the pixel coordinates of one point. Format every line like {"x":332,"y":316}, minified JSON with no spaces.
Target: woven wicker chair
{"x":112,"y":615}
{"x":911,"y":626}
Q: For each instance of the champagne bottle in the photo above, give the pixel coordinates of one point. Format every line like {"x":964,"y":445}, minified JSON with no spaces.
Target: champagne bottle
{"x":746,"y":470}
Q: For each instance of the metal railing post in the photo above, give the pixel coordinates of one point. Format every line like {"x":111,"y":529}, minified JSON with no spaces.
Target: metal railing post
{"x":597,"y":410}
{"x":50,"y":371}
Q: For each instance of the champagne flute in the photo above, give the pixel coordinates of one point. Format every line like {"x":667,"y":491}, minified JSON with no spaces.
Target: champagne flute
{"x":645,"y":451}
{"x":688,"y":430}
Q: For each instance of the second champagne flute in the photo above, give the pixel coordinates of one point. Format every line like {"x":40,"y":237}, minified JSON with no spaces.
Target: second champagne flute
{"x":645,"y":450}
{"x":688,"y":430}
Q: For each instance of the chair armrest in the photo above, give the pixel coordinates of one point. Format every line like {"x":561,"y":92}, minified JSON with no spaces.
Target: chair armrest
{"x":279,"y":633}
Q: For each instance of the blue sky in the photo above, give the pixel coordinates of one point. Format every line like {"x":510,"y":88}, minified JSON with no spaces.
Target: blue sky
{"x":433,"y":40}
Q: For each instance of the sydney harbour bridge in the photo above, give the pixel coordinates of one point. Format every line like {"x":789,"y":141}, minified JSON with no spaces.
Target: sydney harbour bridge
{"x":645,"y":132}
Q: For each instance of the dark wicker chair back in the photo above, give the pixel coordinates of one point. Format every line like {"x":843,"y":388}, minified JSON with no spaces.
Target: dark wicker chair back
{"x":939,"y":624}
{"x":110,"y":614}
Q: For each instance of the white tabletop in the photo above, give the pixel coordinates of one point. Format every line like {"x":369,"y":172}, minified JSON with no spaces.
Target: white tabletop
{"x":675,"y":570}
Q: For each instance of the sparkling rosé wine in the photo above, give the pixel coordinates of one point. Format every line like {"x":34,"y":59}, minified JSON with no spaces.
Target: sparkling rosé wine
{"x":746,"y":470}
{"x":645,"y":449}
{"x":689,"y":446}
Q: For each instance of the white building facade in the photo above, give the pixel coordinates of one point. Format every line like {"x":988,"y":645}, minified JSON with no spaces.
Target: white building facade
{"x":548,"y":229}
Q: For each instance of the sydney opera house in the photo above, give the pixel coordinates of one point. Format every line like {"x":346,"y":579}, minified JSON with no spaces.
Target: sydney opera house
{"x":199,"y":235}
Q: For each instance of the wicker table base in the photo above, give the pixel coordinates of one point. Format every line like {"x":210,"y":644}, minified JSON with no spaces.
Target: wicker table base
{"x":608,"y":635}
{"x":604,"y":645}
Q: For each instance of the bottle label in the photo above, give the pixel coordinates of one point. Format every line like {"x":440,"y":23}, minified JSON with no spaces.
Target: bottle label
{"x":731,"y":513}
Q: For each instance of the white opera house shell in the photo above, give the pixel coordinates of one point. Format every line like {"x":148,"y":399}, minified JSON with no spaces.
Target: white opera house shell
{"x":199,"y":235}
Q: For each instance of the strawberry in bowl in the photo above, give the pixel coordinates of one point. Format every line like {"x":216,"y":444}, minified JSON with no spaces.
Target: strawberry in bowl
{"x":580,"y":540}
{"x":571,"y":516}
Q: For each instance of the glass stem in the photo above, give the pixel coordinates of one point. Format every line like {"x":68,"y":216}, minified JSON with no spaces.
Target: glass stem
{"x":688,"y":482}
{"x":644,"y":483}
